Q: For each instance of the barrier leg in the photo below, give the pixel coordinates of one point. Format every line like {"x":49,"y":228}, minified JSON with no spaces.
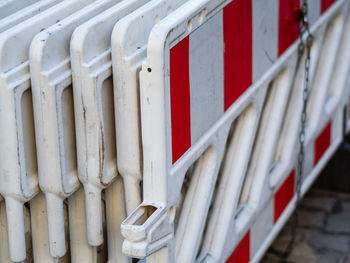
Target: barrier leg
{"x":80,"y":250}
{"x":15,"y":228}
{"x":115,"y":213}
{"x":4,"y":252}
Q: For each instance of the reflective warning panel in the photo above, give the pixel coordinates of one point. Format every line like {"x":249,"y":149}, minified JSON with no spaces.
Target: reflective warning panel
{"x":218,"y":91}
{"x":205,"y":79}
{"x":162,"y":129}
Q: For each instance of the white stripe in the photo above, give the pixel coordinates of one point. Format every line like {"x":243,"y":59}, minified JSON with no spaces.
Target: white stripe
{"x":206,"y":65}
{"x":265,"y":36}
{"x":314,"y":10}
{"x":261,"y":228}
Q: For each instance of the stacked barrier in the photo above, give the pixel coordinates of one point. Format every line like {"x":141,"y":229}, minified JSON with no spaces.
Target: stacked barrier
{"x":161,"y":129}
{"x":9,"y":7}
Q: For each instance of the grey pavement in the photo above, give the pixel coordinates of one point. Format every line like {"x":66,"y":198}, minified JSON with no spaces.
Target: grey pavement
{"x":322,"y":233}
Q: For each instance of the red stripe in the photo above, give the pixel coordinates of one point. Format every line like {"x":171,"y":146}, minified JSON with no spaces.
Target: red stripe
{"x":180,"y":99}
{"x":283,"y":196}
{"x":325,"y":4}
{"x":322,"y":142}
{"x":242,"y":252}
{"x":237,"y":22}
{"x":288,"y":24}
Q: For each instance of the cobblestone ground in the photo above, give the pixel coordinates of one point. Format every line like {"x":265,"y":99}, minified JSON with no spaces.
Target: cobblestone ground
{"x":322,"y":234}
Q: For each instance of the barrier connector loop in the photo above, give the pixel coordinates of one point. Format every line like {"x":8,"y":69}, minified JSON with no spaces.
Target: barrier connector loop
{"x":146,"y":230}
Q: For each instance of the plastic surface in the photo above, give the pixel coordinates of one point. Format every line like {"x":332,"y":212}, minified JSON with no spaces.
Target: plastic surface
{"x":26,"y":13}
{"x":54,"y":120}
{"x":94,"y":107}
{"x":18,"y":153}
{"x":8,"y":7}
{"x":179,"y":69}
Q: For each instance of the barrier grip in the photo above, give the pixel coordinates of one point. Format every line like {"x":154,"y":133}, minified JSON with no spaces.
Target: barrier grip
{"x":146,"y":230}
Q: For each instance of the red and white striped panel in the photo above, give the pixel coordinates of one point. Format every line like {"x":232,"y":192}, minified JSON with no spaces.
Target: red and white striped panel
{"x":213,"y":66}
{"x":272,"y":216}
{"x":197,"y":79}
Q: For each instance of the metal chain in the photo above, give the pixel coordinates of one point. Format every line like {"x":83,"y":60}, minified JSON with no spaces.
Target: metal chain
{"x":304,"y":29}
{"x":306,"y":93}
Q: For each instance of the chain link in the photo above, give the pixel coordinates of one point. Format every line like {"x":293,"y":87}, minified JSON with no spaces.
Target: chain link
{"x":306,"y":92}
{"x":304,"y":30}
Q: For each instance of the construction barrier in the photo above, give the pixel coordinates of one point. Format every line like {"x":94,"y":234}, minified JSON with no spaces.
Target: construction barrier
{"x":162,"y":129}
{"x":25,"y":13}
{"x":192,"y":94}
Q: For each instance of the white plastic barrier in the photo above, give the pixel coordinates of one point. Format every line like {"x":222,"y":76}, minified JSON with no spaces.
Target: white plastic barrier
{"x":249,"y":135}
{"x":267,"y":199}
{"x":191,"y":95}
{"x":7,"y":23}
{"x":94,"y":108}
{"x":129,"y":50}
{"x":26,"y":13}
{"x":126,"y":84}
{"x":54,"y":122}
{"x":18,"y":164}
{"x":20,"y":16}
{"x":8,"y":7}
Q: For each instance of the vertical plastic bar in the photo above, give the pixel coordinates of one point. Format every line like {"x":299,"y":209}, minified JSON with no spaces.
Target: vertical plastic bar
{"x":15,"y":226}
{"x":80,"y":250}
{"x":55,"y":219}
{"x":4,"y":248}
{"x":40,"y":241}
{"x":55,"y":124}
{"x":93,"y":211}
{"x":18,"y":154}
{"x":115,"y":213}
